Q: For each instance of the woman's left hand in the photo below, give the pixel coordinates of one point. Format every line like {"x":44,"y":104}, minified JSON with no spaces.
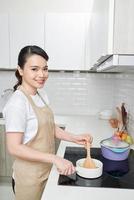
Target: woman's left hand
{"x":82,"y":139}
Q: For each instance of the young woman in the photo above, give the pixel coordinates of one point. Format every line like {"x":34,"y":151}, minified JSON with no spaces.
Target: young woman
{"x":30,"y":128}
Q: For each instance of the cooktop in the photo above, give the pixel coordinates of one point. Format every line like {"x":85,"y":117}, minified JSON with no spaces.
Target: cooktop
{"x":116,"y":174}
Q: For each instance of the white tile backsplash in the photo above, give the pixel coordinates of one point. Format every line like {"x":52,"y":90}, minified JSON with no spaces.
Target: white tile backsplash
{"x":83,"y":93}
{"x":80,"y":93}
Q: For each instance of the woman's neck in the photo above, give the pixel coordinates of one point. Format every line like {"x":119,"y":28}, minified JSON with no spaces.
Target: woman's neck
{"x":30,"y":90}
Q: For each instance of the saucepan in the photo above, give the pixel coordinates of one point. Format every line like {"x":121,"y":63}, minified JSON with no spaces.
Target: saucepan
{"x":114,"y":150}
{"x":89,"y":173}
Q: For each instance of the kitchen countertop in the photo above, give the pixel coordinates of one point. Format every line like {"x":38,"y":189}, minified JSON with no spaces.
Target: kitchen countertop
{"x":99,"y":129}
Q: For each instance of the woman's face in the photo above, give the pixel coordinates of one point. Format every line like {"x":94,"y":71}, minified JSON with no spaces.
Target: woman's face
{"x":34,"y":73}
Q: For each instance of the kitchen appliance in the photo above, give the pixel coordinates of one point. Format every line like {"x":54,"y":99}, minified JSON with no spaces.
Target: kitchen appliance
{"x":116,"y":174}
{"x":115,"y":63}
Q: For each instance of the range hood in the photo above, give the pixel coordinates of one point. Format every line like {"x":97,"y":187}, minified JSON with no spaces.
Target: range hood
{"x":115,"y":63}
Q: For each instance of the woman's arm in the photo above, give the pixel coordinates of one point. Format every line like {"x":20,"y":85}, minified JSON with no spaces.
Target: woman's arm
{"x":22,"y":151}
{"x":78,"y":139}
{"x":17,"y":149}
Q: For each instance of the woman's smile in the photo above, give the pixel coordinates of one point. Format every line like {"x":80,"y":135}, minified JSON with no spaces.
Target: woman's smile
{"x":40,"y":81}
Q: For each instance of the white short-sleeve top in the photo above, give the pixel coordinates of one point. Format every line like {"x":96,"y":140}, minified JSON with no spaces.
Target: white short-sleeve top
{"x":19,"y":115}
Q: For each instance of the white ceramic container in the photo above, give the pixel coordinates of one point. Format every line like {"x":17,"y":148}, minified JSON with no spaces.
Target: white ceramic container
{"x":89,"y":173}
{"x":105,"y":114}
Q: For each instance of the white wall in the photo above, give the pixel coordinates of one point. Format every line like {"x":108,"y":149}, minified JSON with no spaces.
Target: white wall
{"x":45,"y":5}
{"x":80,"y":93}
{"x":83,"y":93}
{"x":73,"y":93}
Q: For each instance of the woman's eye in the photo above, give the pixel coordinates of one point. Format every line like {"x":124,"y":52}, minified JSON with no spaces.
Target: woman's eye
{"x":34,"y":69}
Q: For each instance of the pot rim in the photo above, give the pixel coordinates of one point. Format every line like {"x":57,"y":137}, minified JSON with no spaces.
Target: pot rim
{"x":110,"y":147}
{"x":92,"y":169}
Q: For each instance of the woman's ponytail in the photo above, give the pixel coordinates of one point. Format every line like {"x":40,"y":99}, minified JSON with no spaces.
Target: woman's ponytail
{"x":19,"y":78}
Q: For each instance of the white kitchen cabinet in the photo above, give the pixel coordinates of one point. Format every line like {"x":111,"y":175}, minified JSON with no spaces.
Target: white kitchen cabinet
{"x":124,"y":27}
{"x":65,"y":40}
{"x":111,"y":29}
{"x":25,"y":29}
{"x":4,"y":41}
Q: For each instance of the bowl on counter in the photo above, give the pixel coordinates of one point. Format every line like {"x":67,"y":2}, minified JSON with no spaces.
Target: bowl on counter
{"x":114,"y":150}
{"x":89,"y":173}
{"x":105,"y":114}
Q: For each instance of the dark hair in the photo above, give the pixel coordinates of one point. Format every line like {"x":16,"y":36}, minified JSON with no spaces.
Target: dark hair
{"x":24,"y":54}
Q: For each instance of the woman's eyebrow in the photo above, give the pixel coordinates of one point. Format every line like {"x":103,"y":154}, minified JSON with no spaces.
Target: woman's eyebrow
{"x":39,"y":66}
{"x":34,"y":66}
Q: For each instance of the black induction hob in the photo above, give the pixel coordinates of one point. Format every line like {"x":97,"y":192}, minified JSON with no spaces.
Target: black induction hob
{"x":116,"y":174}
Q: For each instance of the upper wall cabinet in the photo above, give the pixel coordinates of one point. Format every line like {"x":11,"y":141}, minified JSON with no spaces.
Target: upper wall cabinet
{"x":65,"y":40}
{"x":124,"y":27}
{"x":111,"y":29}
{"x":4,"y":41}
{"x":25,"y":29}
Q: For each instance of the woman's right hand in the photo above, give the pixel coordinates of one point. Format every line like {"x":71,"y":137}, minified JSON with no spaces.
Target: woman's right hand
{"x":64,"y":167}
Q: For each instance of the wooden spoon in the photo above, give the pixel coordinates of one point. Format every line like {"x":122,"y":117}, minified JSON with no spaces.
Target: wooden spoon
{"x":88,"y":163}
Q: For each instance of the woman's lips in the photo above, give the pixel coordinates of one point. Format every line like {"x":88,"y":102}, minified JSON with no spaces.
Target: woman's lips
{"x":41,"y":82}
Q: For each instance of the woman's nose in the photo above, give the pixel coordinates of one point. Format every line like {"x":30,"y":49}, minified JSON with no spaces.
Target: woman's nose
{"x":43,"y":73}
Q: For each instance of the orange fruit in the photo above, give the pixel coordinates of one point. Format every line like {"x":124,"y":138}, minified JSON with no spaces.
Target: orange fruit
{"x":124,"y":136}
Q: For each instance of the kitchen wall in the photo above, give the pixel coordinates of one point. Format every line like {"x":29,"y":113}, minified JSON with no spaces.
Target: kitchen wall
{"x":83,"y":93}
{"x":73,"y":93}
{"x":80,"y":93}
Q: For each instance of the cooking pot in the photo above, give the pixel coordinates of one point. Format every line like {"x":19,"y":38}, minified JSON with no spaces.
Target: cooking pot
{"x":89,"y":173}
{"x":118,"y":168}
{"x":114,"y":150}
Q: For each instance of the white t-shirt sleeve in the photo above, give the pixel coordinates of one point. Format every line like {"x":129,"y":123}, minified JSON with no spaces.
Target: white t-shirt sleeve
{"x":15,"y":118}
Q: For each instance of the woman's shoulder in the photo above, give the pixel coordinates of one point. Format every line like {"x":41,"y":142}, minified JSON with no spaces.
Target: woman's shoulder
{"x":18,"y":99}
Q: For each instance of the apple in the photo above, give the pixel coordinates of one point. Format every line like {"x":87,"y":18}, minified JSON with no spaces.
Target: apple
{"x":129,"y":139}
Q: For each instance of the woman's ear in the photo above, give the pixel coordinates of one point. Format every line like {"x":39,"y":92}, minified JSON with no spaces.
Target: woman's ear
{"x":20,"y":71}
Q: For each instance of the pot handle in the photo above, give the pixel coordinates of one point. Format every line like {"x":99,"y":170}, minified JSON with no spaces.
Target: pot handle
{"x":72,"y":176}
{"x":77,"y":169}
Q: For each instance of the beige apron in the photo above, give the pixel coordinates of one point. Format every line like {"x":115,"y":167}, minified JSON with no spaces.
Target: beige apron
{"x":30,"y":177}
